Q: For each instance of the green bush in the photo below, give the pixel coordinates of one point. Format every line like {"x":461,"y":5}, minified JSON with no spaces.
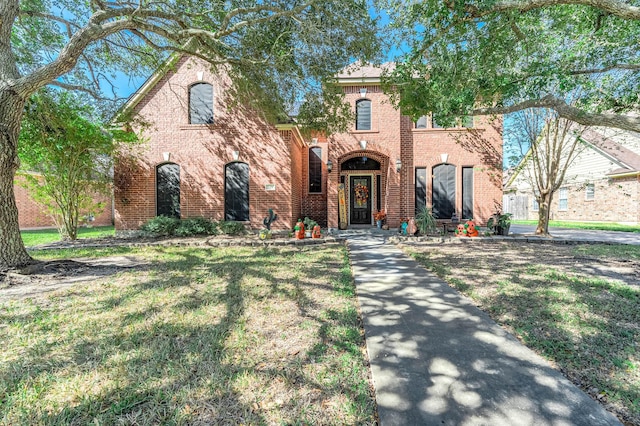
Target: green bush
{"x":163,"y":226}
{"x":196,"y":226}
{"x":231,"y":228}
{"x":160,"y":226}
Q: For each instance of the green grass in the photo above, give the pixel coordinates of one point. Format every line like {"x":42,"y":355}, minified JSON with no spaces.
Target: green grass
{"x":559,"y":305}
{"x":208,"y":336}
{"x":45,"y":236}
{"x":614,"y":251}
{"x":602,"y":226}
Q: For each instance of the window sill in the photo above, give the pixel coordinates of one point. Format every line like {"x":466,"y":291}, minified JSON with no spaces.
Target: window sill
{"x":364,"y":131}
{"x":197,"y":126}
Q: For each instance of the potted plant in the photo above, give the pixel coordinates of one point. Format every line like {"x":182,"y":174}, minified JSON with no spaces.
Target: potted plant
{"x":425,"y":221}
{"x":500,"y":223}
{"x":380,"y":217}
{"x":309,"y":224}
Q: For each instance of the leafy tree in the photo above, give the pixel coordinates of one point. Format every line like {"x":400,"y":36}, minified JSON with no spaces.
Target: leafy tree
{"x":66,"y":158}
{"x":550,"y":144}
{"x":473,"y":57}
{"x":277,"y":49}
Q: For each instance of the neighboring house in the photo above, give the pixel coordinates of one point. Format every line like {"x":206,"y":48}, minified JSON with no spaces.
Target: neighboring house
{"x":34,"y":215}
{"x":601,"y":184}
{"x":207,"y":156}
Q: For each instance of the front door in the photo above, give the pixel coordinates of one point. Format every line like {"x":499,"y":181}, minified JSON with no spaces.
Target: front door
{"x":360,"y":195}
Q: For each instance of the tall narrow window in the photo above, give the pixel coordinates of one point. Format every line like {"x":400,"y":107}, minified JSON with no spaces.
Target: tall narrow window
{"x":315,"y":170}
{"x":378,"y":192}
{"x":444,"y":191}
{"x":536,"y":205}
{"x":467,"y":192}
{"x":201,"y":104}
{"x":422,"y":122}
{"x":421,"y":188}
{"x":363,"y":114}
{"x":590,"y":192}
{"x":236,"y":192}
{"x":168,"y":190}
{"x":563,"y":199}
{"x":434,"y":122}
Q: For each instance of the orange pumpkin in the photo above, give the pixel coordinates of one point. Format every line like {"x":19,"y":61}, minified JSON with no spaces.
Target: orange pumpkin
{"x":461,"y":231}
{"x":472,"y":231}
{"x":299,"y":230}
{"x":316,"y":232}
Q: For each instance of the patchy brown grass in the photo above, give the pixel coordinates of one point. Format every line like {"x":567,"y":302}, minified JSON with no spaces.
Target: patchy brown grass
{"x":579,"y":306}
{"x":195,"y":336}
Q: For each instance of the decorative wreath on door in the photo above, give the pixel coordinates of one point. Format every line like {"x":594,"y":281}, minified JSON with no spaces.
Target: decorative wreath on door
{"x":362,"y":194}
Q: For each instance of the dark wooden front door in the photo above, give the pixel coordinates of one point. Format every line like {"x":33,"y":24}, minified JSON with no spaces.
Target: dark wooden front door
{"x":360,"y":195}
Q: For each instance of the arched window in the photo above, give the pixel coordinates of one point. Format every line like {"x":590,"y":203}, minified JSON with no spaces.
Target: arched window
{"x":363,"y":114}
{"x":168,"y":190}
{"x":201,"y":104}
{"x":236,"y":191}
{"x":315,"y":170}
{"x":444,"y":191}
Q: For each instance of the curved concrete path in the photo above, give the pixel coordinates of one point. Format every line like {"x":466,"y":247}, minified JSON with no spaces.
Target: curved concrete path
{"x":436,"y":359}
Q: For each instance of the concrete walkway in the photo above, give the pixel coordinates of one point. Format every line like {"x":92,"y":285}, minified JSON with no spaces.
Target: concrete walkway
{"x":438,"y":360}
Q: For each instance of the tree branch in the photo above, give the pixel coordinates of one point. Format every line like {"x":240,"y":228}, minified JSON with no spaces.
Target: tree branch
{"x":569,"y":112}
{"x":614,"y":7}
{"x":632,"y":67}
{"x":277,"y":13}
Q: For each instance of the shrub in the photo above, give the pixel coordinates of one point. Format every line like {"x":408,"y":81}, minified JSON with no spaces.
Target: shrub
{"x":160,"y":226}
{"x":163,"y":226}
{"x":196,"y":226}
{"x":231,"y":228}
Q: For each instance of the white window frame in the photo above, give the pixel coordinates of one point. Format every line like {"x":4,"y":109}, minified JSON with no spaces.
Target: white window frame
{"x":590,"y":192}
{"x":563,"y":195}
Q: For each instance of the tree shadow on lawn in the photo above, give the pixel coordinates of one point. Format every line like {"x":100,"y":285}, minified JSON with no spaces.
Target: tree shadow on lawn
{"x":170,"y":347}
{"x":587,"y":326}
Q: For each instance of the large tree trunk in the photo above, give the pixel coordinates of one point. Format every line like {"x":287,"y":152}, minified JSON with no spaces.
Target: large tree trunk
{"x":12,"y":251}
{"x":544,"y":210}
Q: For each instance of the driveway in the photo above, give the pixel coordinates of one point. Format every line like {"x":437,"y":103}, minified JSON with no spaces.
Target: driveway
{"x":582,"y":234}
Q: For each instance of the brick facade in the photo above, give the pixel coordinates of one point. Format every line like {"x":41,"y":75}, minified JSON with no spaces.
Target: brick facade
{"x":202,"y":151}
{"x":278,"y":157}
{"x":393,"y":137}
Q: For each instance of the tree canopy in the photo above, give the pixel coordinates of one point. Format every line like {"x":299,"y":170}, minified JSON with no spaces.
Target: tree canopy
{"x":501,"y":56}
{"x":278,"y":49}
{"x":65,"y":158}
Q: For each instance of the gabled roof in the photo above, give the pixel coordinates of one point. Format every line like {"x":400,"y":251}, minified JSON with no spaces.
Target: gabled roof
{"x":149,"y":84}
{"x":363,"y":73}
{"x":628,"y":159}
{"x":603,"y":141}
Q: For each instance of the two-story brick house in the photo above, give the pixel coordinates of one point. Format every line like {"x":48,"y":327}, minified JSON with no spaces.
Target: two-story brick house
{"x":205,"y":155}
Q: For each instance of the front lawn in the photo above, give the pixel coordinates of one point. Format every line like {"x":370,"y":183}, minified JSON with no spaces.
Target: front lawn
{"x":197,"y":336}
{"x":578,"y":306}
{"x":50,"y":235}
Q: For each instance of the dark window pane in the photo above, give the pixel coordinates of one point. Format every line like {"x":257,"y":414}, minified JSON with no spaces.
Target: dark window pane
{"x":434,"y":123}
{"x":360,"y":163}
{"x":236,"y":192}
{"x":467,"y":192}
{"x":444,"y":191}
{"x":422,"y":122}
{"x":168,"y":190}
{"x":363,"y":115}
{"x":378,"y":193}
{"x":315,"y":170}
{"x":201,"y":104}
{"x":421,"y":189}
